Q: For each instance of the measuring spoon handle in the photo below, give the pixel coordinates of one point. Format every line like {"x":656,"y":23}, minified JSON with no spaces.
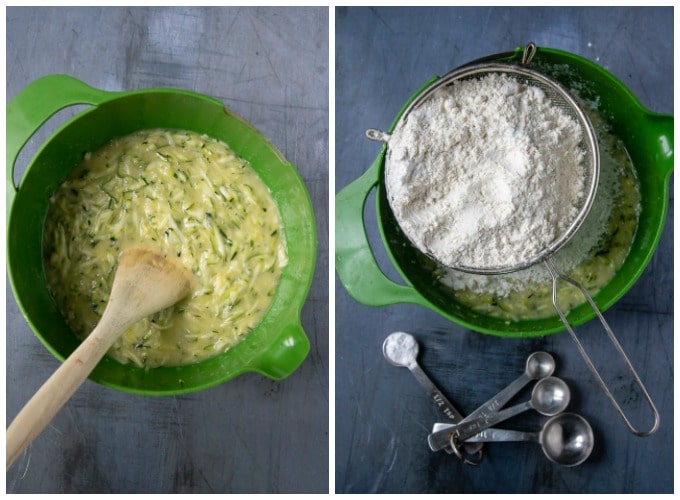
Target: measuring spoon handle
{"x":441,"y":439}
{"x":501,"y":399}
{"x":502,"y":435}
{"x":492,"y":434}
{"x":444,"y":405}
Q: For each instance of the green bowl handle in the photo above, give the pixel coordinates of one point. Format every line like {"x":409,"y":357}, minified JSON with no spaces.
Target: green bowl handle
{"x":285,"y":354}
{"x":34,"y":104}
{"x":662,"y":129}
{"x":355,"y":262}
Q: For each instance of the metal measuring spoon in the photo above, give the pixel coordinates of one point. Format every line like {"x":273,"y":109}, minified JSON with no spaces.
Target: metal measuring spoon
{"x":566,"y":439}
{"x":550,"y":396}
{"x":401,"y":349}
{"x":539,"y":365}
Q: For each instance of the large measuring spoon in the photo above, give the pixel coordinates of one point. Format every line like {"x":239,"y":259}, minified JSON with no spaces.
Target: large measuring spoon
{"x":550,"y":396}
{"x":539,"y":365}
{"x":566,"y":439}
{"x":401,"y":349}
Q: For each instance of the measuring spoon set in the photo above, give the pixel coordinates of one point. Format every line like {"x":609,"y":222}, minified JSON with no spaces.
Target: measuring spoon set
{"x":566,"y":438}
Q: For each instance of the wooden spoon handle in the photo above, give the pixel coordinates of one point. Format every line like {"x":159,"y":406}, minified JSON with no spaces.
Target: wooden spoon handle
{"x":146,"y":281}
{"x":57,"y":390}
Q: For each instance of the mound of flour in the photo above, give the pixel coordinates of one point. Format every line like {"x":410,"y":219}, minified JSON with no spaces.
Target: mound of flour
{"x":485,"y":173}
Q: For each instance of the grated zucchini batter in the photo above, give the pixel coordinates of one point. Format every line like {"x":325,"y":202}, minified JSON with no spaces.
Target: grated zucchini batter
{"x":198,"y":200}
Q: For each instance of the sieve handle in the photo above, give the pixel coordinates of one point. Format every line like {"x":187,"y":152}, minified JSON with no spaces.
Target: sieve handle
{"x":34,"y":105}
{"x":355,"y":262}
{"x":558,"y":275}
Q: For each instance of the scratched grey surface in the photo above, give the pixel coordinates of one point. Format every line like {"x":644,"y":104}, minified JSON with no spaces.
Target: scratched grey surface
{"x":382,"y":415}
{"x":251,"y":434}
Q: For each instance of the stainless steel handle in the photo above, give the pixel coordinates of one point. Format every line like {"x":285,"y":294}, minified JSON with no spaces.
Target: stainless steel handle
{"x":558,"y":275}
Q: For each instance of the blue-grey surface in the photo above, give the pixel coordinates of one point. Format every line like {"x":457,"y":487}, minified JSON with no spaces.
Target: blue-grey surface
{"x":252,"y":434}
{"x":382,"y":415}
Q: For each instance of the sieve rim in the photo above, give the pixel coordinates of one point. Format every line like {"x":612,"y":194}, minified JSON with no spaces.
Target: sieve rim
{"x":589,"y":140}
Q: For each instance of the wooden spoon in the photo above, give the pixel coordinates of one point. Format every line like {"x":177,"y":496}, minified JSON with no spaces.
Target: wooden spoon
{"x":146,"y":282}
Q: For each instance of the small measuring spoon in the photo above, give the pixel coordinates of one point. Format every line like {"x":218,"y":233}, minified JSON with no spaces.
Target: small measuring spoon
{"x":566,"y":439}
{"x":550,"y":396}
{"x":539,"y":365}
{"x":401,"y":349}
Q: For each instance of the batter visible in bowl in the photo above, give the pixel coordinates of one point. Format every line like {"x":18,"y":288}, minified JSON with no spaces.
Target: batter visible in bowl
{"x":198,"y":200}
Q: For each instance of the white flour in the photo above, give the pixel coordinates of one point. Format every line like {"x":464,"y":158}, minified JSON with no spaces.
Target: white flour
{"x":584,"y":242}
{"x":485,"y":173}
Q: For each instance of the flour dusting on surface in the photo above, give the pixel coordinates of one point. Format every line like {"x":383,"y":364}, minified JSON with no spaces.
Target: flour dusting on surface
{"x":485,"y":173}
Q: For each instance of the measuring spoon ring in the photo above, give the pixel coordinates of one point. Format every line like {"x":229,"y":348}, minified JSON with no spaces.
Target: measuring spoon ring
{"x":550,"y":396}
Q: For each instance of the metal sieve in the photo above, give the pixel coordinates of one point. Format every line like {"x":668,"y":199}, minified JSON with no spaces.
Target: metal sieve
{"x":562,"y":99}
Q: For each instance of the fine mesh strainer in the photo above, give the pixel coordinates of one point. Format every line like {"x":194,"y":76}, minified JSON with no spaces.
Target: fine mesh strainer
{"x":559,"y":97}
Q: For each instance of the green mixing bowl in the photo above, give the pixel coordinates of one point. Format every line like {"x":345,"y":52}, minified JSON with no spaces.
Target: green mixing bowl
{"x":275,"y":348}
{"x":647,"y":136}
